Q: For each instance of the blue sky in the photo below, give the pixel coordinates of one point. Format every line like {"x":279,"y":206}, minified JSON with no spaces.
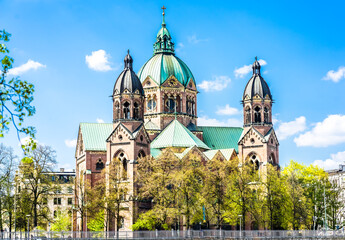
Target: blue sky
{"x":301,"y":46}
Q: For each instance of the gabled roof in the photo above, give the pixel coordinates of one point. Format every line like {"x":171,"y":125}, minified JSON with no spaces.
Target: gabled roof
{"x":151,"y":126}
{"x":227,"y":153}
{"x":95,"y":135}
{"x":221,"y":137}
{"x":177,"y":135}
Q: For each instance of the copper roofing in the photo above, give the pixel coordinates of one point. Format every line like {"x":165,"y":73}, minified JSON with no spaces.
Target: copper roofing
{"x":128,"y":80}
{"x":177,"y":135}
{"x":221,"y":137}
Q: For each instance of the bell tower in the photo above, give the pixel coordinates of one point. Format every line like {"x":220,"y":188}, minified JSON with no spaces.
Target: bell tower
{"x":258,"y":142}
{"x":129,"y":141}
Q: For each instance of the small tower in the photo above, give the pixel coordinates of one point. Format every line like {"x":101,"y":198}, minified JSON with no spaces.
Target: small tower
{"x":258,"y":142}
{"x":129,"y":141}
{"x":128,"y":94}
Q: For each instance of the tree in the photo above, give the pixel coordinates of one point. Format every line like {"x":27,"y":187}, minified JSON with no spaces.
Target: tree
{"x":274,"y":195}
{"x":62,"y":222}
{"x":7,"y":171}
{"x":189,"y":178}
{"x":240,"y":190}
{"x":215,"y":190}
{"x":16,"y":95}
{"x":81,"y":191}
{"x":156,"y":183}
{"x":35,"y":184}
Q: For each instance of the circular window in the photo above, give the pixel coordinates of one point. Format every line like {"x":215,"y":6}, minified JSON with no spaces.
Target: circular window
{"x":252,"y":140}
{"x":190,"y":85}
{"x":141,"y":138}
{"x":148,"y":83}
{"x":120,"y":137}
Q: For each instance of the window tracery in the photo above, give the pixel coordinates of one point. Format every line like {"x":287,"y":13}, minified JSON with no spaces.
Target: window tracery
{"x":266,"y":115}
{"x":257,"y":114}
{"x":126,"y":110}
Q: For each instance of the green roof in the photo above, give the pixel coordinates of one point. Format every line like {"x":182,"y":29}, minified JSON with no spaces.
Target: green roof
{"x":177,"y":135}
{"x":151,"y":126}
{"x":161,"y":66}
{"x":221,"y":137}
{"x":226,"y":153}
{"x":95,"y":135}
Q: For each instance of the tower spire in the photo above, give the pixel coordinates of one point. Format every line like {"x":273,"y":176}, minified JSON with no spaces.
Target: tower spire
{"x":163,"y":42}
{"x":163,"y":14}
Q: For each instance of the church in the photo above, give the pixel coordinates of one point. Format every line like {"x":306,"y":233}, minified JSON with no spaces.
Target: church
{"x":156,"y":109}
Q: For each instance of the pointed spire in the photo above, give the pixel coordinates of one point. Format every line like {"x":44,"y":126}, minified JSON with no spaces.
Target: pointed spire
{"x":163,"y":42}
{"x":163,"y":14}
{"x":128,"y":60}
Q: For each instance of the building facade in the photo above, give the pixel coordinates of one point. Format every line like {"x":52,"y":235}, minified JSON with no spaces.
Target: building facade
{"x":156,"y":109}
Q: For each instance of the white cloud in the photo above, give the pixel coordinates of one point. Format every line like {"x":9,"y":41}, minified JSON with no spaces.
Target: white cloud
{"x":243,"y":71}
{"x":287,"y":129}
{"x":231,"y":122}
{"x":335,"y":76}
{"x":217,"y":83}
{"x":179,"y":47}
{"x":333,"y":162}
{"x":29,"y":65}
{"x":99,"y":120}
{"x":98,"y":61}
{"x":227,"y":110}
{"x":194,"y":40}
{"x":330,"y":131}
{"x":71,"y":143}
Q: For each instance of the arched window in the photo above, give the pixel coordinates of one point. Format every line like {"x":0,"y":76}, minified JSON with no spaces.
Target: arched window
{"x":126,"y":111}
{"x":151,"y":104}
{"x":271,"y":159}
{"x":248,"y":116}
{"x":117,"y":110}
{"x":99,"y":165}
{"x":141,"y":154}
{"x":193,"y":107}
{"x":257,"y":114}
{"x":136,"y":111}
{"x":122,"y":158}
{"x":170,"y":105}
{"x":254,"y":161}
{"x":266,"y":120}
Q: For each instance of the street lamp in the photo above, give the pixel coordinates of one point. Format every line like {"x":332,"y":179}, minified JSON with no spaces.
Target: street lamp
{"x":240,"y":216}
{"x":28,"y":230}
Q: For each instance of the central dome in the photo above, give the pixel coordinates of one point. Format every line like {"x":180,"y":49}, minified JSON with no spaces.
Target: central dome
{"x":164,"y":63}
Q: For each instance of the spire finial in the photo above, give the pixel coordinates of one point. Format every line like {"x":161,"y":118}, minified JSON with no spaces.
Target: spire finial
{"x":256,"y":58}
{"x":163,"y":21}
{"x":127,"y":51}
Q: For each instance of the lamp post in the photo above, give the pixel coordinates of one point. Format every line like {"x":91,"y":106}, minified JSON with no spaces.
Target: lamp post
{"x":240,"y":216}
{"x":28,"y":226}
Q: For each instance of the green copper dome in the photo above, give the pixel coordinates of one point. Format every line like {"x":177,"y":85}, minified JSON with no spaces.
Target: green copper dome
{"x":161,"y":66}
{"x":164,"y":63}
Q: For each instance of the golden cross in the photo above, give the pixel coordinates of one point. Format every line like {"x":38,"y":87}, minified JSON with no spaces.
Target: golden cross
{"x":164,"y":9}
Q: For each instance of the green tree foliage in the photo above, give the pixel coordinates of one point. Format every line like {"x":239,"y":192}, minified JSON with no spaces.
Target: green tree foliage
{"x":262,"y":196}
{"x":96,"y":223}
{"x":7,"y":172}
{"x":16,"y":95}
{"x":33,"y":184}
{"x":62,"y":222}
